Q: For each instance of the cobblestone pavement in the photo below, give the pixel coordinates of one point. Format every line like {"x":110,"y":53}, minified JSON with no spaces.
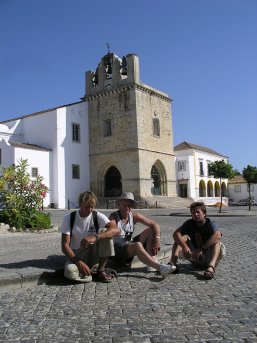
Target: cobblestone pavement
{"x":142,"y":307}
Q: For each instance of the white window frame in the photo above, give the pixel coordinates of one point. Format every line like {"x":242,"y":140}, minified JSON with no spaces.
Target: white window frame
{"x":34,"y":172}
{"x":182,"y":165}
{"x":75,"y":171}
{"x":237,"y":188}
{"x":201,"y":169}
{"x":75,"y":132}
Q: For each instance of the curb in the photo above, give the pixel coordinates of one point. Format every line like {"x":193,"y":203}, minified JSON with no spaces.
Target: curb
{"x":34,"y":276}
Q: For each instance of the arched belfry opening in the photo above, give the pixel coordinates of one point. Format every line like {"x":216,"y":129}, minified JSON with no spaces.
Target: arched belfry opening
{"x":112,"y":183}
{"x":159,"y":179}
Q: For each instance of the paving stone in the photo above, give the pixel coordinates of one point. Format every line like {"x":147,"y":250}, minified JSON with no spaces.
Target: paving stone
{"x":137,"y":306}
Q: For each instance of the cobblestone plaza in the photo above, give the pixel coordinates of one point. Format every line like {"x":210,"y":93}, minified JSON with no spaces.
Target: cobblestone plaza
{"x":137,"y":306}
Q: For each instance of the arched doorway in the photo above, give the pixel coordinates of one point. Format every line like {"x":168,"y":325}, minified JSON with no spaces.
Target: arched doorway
{"x":209,"y":189}
{"x":217,"y":189}
{"x":159,"y":179}
{"x":112,"y":183}
{"x":202,"y":189}
{"x":156,"y":181}
{"x":223,"y":189}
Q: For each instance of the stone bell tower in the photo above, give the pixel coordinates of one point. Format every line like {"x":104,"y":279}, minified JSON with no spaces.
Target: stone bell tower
{"x":130,"y":132}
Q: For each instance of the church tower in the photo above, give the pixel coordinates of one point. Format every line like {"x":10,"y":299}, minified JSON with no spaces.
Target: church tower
{"x":130,"y":132}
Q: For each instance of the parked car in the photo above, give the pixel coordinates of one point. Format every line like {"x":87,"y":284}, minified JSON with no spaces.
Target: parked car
{"x":245,"y":202}
{"x":231,"y":202}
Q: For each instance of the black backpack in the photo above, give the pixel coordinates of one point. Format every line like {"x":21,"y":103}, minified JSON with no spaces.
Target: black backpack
{"x":72,"y":221}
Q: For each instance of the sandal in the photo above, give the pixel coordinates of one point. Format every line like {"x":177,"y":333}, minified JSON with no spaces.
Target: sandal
{"x":177,"y":268}
{"x":208,"y":274}
{"x":104,"y":276}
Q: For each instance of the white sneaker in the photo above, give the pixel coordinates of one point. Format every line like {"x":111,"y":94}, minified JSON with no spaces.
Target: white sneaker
{"x":166,"y":269}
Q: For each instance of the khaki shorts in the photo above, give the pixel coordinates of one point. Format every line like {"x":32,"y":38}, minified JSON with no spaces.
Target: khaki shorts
{"x":90,"y":255}
{"x":206,"y":257}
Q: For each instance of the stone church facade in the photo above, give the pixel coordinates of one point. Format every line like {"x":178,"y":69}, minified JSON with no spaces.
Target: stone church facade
{"x":130,"y":132}
{"x":117,"y":138}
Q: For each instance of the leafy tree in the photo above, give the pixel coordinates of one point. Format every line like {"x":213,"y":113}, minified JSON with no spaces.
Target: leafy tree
{"x":21,"y":198}
{"x":250,"y":176}
{"x":236,"y":172}
{"x":221,"y":170}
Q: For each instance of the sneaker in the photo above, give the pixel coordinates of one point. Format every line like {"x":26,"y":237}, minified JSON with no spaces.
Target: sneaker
{"x":150,"y":269}
{"x":177,"y":268}
{"x":166,"y":269}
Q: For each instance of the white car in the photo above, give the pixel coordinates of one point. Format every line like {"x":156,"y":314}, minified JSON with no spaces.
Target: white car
{"x":245,"y":202}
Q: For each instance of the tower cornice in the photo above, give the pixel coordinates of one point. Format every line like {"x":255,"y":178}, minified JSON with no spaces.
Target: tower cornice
{"x":138,"y":86}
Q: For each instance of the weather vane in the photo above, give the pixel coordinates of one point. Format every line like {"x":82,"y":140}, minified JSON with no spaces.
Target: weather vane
{"x":108,"y":46}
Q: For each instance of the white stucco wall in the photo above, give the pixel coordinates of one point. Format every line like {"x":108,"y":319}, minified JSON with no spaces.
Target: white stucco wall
{"x":235,"y":194}
{"x":192,"y":172}
{"x":53,"y":130}
{"x":75,"y":153}
{"x":7,"y":153}
{"x":36,"y":159}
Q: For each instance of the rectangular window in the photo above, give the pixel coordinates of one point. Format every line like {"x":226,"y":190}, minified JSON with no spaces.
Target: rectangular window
{"x":75,"y":132}
{"x":208,"y":162}
{"x":76,"y":171}
{"x":107,"y":128}
{"x":201,"y":168}
{"x":181,"y":165}
{"x":34,"y":172}
{"x":156,"y":127}
{"x":237,"y":188}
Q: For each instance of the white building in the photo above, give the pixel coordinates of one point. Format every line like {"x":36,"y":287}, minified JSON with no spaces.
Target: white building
{"x":192,"y":176}
{"x":55,"y":143}
{"x":238,"y":189}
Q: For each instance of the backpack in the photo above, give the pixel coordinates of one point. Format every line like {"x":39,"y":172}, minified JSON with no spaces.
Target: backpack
{"x":72,"y":221}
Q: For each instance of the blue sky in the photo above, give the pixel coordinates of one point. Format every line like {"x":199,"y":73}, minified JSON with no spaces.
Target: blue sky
{"x":203,"y":53}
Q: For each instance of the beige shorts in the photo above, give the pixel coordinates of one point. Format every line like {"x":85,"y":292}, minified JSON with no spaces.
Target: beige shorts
{"x":206,"y":257}
{"x":90,"y":255}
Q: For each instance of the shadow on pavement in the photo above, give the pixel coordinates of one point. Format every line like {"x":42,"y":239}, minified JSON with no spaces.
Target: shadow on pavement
{"x":50,"y":263}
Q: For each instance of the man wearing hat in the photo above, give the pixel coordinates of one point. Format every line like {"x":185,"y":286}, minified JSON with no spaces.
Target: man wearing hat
{"x":145,"y":245}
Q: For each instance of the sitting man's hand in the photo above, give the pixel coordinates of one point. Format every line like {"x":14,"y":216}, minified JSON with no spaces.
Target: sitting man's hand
{"x":83,"y":268}
{"x":87,"y":241}
{"x":156,"y":246}
{"x":186,"y":252}
{"x":197,"y":253}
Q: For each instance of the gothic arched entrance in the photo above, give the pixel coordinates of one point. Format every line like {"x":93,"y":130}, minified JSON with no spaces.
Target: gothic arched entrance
{"x":159,"y":179}
{"x":112,"y":183}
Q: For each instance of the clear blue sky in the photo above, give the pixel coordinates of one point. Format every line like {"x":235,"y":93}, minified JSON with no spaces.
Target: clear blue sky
{"x":203,"y":53}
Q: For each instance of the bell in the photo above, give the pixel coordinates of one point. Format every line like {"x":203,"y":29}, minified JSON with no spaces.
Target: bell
{"x":109,"y":69}
{"x":123,"y":68}
{"x":123,"y":71}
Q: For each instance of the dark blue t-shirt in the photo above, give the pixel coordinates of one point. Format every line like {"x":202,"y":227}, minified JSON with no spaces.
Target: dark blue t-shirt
{"x":198,"y":234}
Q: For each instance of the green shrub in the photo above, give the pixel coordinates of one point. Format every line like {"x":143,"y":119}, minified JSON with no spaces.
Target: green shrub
{"x":21,"y":198}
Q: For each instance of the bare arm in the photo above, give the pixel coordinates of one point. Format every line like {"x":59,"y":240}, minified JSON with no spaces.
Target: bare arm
{"x":180,"y":240}
{"x":112,"y":230}
{"x":214,"y":239}
{"x":155,"y":243}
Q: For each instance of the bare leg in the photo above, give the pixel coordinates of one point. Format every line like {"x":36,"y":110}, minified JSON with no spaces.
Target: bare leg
{"x":176,"y":250}
{"x":137,"y":249}
{"x":146,"y":238}
{"x":214,"y":255}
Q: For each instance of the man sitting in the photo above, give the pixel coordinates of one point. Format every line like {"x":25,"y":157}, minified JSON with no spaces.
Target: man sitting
{"x":145,"y":245}
{"x":199,"y":241}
